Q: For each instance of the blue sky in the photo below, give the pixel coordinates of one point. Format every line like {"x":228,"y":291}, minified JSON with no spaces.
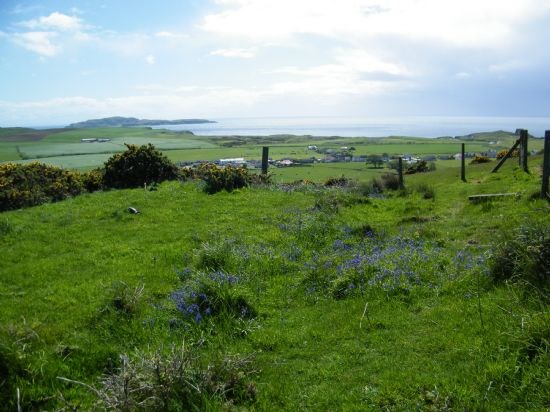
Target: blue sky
{"x":65,"y":61}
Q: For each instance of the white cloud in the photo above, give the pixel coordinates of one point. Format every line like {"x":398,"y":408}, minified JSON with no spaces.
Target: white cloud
{"x":150,"y":59}
{"x":242,"y":53}
{"x":44,"y":29}
{"x":55,"y":21}
{"x":353,"y":72}
{"x":471,"y":23}
{"x":186,"y":89}
{"x":166,"y":105}
{"x":367,"y":62}
{"x":38,"y":42}
{"x":334,"y":81}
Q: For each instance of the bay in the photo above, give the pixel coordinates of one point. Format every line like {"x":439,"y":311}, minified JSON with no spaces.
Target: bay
{"x":417,"y":126}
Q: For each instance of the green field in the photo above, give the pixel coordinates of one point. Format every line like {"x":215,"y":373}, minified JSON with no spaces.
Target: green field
{"x":63,"y":147}
{"x":319,"y":298}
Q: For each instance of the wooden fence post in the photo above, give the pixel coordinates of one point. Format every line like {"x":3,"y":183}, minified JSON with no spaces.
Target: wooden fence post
{"x":546,"y":166}
{"x":400,"y":172}
{"x":506,"y":156}
{"x":463,"y":163}
{"x":524,"y":136}
{"x":520,"y":148}
{"x":265,"y":157}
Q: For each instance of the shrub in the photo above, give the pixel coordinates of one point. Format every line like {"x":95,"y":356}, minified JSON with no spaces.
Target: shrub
{"x":479,"y":160}
{"x":341,"y":181}
{"x":137,"y":166}
{"x":419,"y":167}
{"x":175,"y":381}
{"x":387,"y":181}
{"x":35,"y":183}
{"x":186,"y":173}
{"x":223,"y":178}
{"x":93,"y":180}
{"x":504,"y":152}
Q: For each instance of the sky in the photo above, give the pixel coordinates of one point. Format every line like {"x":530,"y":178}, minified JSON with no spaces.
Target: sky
{"x":66,"y":61}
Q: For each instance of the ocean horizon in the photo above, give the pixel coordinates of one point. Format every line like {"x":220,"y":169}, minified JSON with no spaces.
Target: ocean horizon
{"x":417,"y":126}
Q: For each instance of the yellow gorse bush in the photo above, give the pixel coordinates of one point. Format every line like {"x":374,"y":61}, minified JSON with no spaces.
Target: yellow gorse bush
{"x":24,"y":185}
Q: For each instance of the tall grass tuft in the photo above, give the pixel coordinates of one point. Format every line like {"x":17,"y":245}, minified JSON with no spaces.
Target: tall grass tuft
{"x":173,"y":380}
{"x":125,"y":299}
{"x":427,"y":191}
{"x":524,"y":257}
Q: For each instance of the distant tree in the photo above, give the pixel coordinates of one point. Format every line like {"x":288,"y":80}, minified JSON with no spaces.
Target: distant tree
{"x":375,"y":160}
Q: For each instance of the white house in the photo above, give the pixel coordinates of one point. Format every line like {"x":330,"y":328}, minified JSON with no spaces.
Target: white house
{"x":234,"y":161}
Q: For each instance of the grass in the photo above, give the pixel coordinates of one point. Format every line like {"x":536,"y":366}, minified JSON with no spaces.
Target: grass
{"x":8,"y":152}
{"x":83,"y":282}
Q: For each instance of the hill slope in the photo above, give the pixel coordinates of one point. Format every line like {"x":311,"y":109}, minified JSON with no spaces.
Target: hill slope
{"x":317,"y":298}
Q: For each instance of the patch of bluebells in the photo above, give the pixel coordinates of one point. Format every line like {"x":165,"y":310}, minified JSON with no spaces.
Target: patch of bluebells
{"x":196,"y":302}
{"x":192,"y":304}
{"x":294,"y":252}
{"x":464,"y":261}
{"x":339,"y":244}
{"x":221,"y":278}
{"x":397,"y":264}
{"x":184,"y":274}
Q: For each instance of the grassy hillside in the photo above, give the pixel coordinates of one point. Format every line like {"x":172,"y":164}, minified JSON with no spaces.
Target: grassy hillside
{"x":306,"y":298}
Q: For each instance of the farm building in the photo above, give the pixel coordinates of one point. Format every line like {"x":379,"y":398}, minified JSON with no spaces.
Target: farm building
{"x":95,"y":140}
{"x":235,"y":161}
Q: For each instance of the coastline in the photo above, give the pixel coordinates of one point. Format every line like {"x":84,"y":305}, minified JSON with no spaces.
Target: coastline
{"x":410,"y":126}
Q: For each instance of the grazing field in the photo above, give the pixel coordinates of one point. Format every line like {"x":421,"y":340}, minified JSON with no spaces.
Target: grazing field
{"x":64,"y":148}
{"x":281,"y":297}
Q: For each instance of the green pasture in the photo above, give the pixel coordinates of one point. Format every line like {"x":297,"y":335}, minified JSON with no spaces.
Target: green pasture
{"x":74,"y":135}
{"x":8,"y":152}
{"x":319,"y":172}
{"x":82,"y":162}
{"x":69,"y":143}
{"x":84,"y":284}
{"x":181,"y":146}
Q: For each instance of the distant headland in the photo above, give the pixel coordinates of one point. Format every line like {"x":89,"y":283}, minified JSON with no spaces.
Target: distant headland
{"x":118,"y":121}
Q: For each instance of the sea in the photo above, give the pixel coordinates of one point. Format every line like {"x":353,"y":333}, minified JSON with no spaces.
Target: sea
{"x":417,"y":126}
